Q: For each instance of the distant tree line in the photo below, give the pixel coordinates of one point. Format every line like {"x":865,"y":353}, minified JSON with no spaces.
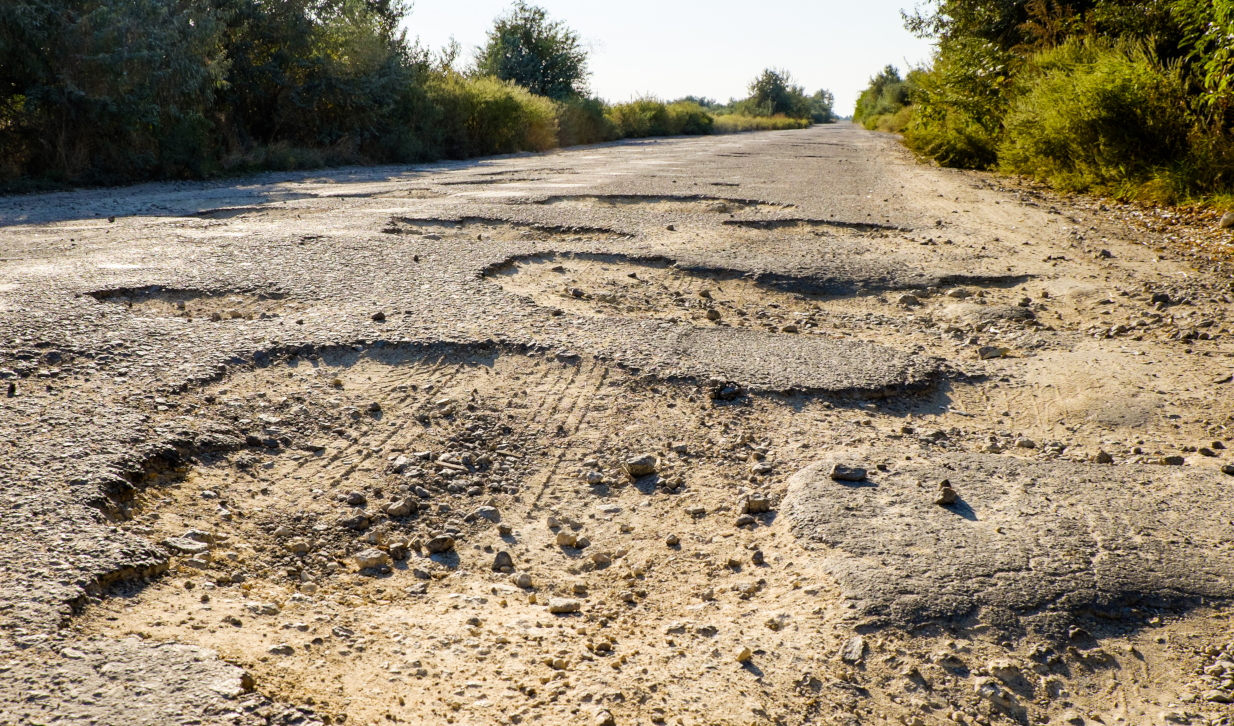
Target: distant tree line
{"x":105,"y":91}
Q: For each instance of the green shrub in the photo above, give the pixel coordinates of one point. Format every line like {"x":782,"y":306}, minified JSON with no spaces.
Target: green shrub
{"x":736,"y":123}
{"x":652,"y":117}
{"x":583,"y":121}
{"x":482,"y":116}
{"x":1095,"y":115}
{"x":886,"y":95}
{"x":959,"y":103}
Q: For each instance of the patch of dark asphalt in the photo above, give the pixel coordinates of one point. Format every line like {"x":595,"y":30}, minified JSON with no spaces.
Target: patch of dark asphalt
{"x":469,"y":225}
{"x":812,"y":224}
{"x":1027,"y":541}
{"x":781,"y":362}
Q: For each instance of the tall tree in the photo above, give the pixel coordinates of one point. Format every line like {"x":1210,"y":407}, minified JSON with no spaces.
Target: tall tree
{"x":542,"y":55}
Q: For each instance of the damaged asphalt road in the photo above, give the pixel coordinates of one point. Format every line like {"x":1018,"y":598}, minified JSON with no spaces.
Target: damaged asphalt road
{"x":356,"y":446}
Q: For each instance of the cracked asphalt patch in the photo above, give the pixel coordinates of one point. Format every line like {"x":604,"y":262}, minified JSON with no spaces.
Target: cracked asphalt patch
{"x":1023,"y":538}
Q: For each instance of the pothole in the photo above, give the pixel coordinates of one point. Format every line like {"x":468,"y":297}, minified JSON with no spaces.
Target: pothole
{"x":157,"y":301}
{"x":690,"y":204}
{"x":814,"y":226}
{"x":485,"y":228}
{"x":617,"y":285}
{"x":657,"y":287}
{"x":335,"y":522}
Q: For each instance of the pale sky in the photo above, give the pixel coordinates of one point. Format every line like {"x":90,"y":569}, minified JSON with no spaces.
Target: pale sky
{"x":670,"y":48}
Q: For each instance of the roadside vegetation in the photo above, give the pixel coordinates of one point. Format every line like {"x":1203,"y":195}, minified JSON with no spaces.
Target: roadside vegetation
{"x":1130,"y":99}
{"x":109,"y":91}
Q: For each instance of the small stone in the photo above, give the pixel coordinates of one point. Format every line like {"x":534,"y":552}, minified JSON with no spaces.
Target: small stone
{"x":566,"y":539}
{"x":502,"y":560}
{"x":757,"y":502}
{"x":562,"y":605}
{"x":908,"y":300}
{"x":713,"y":314}
{"x":756,"y":558}
{"x":505,"y":530}
{"x":987,"y":352}
{"x":185,"y":546}
{"x":640,"y":466}
{"x":371,"y":558}
{"x":854,"y":649}
{"x":1205,"y":451}
{"x":603,"y":718}
{"x":1003,"y":670}
{"x":357,"y":522}
{"x":357,"y":499}
{"x":844,"y":472}
{"x":378,"y":316}
{"x":439,"y":544}
{"x":1215,"y":696}
{"x":745,"y":520}
{"x":308,"y":588}
{"x":282,"y":649}
{"x":521,"y":579}
{"x":1104,"y":458}
{"x":705,"y":293}
{"x":744,"y":655}
{"x":602,"y":558}
{"x":489,"y":513}
{"x":957,"y":292}
{"x":1228,"y":469}
{"x":1173,"y":460}
{"x":402,"y":508}
{"x":1025,"y":443}
{"x":946,"y":495}
{"x":1227,"y":221}
{"x":988,"y":689}
{"x":673,"y":540}
{"x":298,"y":546}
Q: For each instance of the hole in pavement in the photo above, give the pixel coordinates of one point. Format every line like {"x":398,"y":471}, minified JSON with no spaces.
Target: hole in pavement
{"x":684,"y":203}
{"x":494,"y":179}
{"x":616,"y":285}
{"x":815,"y":226}
{"x":496,"y":229}
{"x":302,"y":514}
{"x":161,"y":302}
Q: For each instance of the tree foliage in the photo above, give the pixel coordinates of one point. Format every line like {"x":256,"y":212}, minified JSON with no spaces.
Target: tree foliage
{"x":103,"y":88}
{"x":773,"y":93}
{"x":1128,"y":96}
{"x":544,"y":56}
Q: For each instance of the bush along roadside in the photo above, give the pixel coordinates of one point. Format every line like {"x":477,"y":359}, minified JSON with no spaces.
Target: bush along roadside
{"x":112,"y":91}
{"x":1129,"y":100}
